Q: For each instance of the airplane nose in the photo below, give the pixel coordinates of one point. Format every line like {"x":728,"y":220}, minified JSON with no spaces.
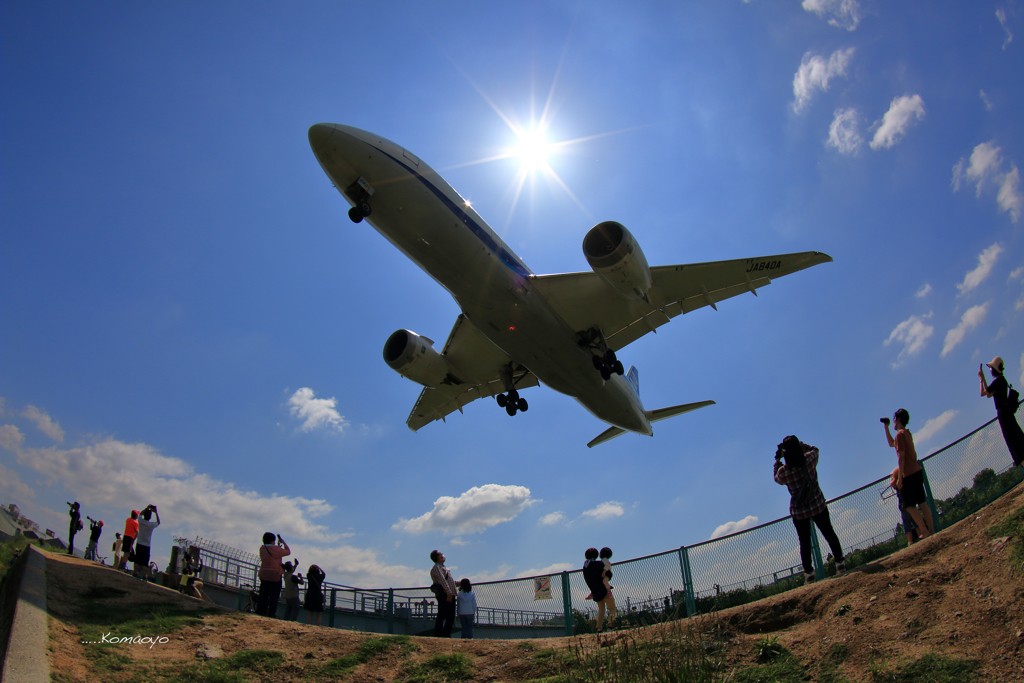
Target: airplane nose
{"x":319,"y":134}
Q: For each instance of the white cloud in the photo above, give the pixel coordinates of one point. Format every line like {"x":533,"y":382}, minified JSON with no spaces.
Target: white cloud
{"x":316,"y":412}
{"x":733,"y":527}
{"x":1016,"y":273}
{"x":12,"y":488}
{"x":1009,"y":197}
{"x":111,"y":473}
{"x":352,"y":566}
{"x":986,"y":261}
{"x":458,"y":542}
{"x":843,"y":134}
{"x":971,"y":318}
{"x":476,"y":510}
{"x":1001,"y":16}
{"x":985,"y":168}
{"x":1019,"y":305}
{"x":605,"y":510}
{"x":842,"y":13}
{"x":984,"y":98}
{"x":551,"y":519}
{"x":924,"y":291}
{"x":1021,"y":381}
{"x":44,"y":423}
{"x":934,"y":425}
{"x":912,"y":333}
{"x":815,"y":72}
{"x":903,"y":113}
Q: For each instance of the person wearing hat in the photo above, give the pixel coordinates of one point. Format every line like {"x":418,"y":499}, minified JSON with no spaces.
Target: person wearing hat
{"x":131,"y":530}
{"x":1005,"y":409}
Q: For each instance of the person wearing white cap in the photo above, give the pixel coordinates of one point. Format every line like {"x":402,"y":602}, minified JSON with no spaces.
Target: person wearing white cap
{"x":999,"y":390}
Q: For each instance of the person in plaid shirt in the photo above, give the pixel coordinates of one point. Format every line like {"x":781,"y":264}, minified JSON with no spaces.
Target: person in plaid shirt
{"x":807,"y":503}
{"x":439,"y":574}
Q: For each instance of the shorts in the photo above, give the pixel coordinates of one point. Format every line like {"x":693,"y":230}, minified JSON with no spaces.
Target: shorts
{"x":913,"y":489}
{"x":142,"y":555}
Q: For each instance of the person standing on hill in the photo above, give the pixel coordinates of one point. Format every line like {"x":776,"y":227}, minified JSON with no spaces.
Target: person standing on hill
{"x":910,"y":477}
{"x":1005,"y":409}
{"x":445,"y":592}
{"x":75,"y":526}
{"x":593,"y":575}
{"x":144,"y":540}
{"x":467,"y":608}
{"x":95,"y":529}
{"x":270,"y":574}
{"x":116,"y":548}
{"x":131,"y":530}
{"x":807,"y":502}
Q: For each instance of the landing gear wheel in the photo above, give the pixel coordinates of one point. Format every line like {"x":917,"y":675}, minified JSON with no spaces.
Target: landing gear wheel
{"x":609,"y":357}
{"x":355,"y":215}
{"x":618,"y":367}
{"x":605,"y":373}
{"x":513,"y":396}
{"x":364,"y":208}
{"x":510,"y":409}
{"x":500,"y":400}
{"x":597,"y":362}
{"x":522,"y":405}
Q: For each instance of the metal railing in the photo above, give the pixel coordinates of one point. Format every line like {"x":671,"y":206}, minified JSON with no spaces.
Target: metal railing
{"x":742,"y":567}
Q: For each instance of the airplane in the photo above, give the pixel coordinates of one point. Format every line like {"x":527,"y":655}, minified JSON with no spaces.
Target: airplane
{"x":518,"y":329}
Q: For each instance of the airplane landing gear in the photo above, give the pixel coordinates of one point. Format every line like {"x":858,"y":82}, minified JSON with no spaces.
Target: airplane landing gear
{"x":359,"y":192}
{"x":360,"y":211}
{"x":606,"y":363}
{"x":511,"y":401}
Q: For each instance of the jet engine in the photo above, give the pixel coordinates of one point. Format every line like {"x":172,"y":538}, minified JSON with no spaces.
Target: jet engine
{"x":614,"y":255}
{"x":415,"y":358}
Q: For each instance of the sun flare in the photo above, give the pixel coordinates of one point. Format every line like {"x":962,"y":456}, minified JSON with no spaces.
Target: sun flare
{"x":533,"y":150}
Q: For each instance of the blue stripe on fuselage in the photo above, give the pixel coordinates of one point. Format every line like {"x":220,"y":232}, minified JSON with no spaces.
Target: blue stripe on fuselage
{"x":481,"y":233}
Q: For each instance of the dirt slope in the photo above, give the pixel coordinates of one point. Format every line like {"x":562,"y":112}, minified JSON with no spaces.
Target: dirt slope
{"x":953,"y":594}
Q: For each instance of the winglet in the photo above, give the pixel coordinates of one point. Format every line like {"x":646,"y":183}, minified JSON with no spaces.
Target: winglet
{"x":672,"y":411}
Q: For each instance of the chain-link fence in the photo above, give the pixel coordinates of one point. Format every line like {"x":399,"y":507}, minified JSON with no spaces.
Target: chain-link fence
{"x":742,"y":567}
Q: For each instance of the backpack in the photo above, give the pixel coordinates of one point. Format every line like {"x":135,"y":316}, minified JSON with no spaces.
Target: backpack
{"x":1012,"y":399}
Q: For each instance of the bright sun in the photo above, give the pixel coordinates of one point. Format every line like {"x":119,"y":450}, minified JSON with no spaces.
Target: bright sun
{"x":533,"y":150}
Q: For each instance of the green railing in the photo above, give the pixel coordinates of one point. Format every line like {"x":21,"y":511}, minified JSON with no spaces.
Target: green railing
{"x":733,"y":570}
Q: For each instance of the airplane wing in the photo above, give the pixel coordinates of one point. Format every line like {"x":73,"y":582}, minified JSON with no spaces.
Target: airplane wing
{"x":475,"y":362}
{"x":584,"y":300}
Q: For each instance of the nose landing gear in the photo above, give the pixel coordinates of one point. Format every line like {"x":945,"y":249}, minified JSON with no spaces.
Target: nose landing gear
{"x":359,"y":192}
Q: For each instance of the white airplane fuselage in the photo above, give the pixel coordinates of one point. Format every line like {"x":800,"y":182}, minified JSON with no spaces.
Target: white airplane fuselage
{"x":418,"y":212}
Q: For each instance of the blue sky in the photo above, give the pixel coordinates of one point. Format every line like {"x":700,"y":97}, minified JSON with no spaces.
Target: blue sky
{"x":188,"y":318}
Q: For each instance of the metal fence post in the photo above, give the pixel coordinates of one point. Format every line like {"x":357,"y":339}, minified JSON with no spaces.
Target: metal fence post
{"x":330,"y":618}
{"x":567,"y":604}
{"x":684,"y":567}
{"x":931,"y":502}
{"x":819,"y":566}
{"x":391,"y":610}
{"x":241,"y":592}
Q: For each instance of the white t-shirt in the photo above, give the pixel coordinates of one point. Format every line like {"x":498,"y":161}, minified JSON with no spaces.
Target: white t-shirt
{"x":146,"y":531}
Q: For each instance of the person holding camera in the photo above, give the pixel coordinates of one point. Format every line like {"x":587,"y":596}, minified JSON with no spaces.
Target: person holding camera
{"x":291,"y":579}
{"x":315,"y":600}
{"x":910,"y":474}
{"x":75,"y":527}
{"x":270,"y":574}
{"x":807,"y":503}
{"x":95,"y":529}
{"x":1007,"y":400}
{"x":143,"y":540}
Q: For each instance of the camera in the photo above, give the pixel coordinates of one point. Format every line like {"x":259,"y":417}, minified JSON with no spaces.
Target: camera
{"x":884,"y":420}
{"x":779,"y":452}
{"x":90,"y":519}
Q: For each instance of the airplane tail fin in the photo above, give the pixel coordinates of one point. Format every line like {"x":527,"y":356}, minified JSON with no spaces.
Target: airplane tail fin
{"x":652,"y":416}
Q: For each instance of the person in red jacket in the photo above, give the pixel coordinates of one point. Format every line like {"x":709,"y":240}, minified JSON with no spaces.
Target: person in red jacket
{"x":131,"y":530}
{"x":271,"y":571}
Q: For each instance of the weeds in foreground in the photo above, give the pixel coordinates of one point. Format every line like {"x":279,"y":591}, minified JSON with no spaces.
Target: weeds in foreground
{"x":931,"y":667}
{"x":680,"y":652}
{"x":768,"y":649}
{"x":368,"y":649}
{"x":440,"y":669}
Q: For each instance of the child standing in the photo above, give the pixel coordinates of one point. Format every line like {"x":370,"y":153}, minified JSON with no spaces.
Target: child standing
{"x":314,"y":603}
{"x":606,"y":558}
{"x":467,"y":607}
